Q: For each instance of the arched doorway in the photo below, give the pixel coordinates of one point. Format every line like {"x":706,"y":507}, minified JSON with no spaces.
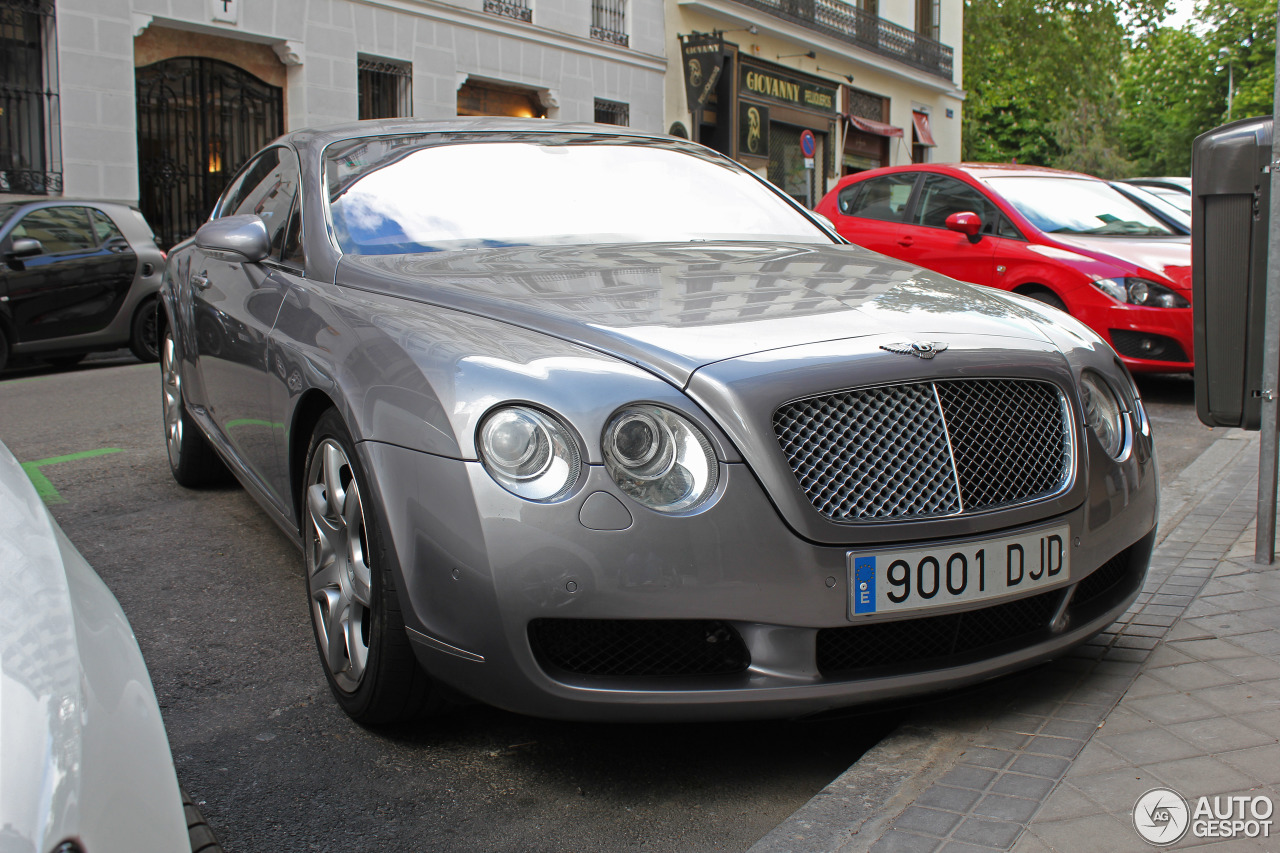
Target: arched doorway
{"x":198,"y":120}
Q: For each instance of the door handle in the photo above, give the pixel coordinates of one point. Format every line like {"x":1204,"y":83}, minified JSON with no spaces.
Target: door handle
{"x":200,"y":281}
{"x":906,"y":242}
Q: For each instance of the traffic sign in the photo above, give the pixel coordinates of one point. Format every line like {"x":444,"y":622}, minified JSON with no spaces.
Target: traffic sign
{"x":807,"y":143}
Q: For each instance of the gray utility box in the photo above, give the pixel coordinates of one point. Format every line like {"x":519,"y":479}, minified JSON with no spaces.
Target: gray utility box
{"x":1230,"y":205}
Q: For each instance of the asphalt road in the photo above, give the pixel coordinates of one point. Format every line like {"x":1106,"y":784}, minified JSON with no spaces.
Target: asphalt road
{"x":216,"y":596}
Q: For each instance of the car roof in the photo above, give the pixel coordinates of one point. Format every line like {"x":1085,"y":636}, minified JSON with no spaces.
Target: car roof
{"x":979,"y":171}
{"x":322,"y":136}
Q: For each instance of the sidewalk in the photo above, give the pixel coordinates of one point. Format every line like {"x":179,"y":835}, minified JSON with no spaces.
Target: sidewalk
{"x":1182,"y":692}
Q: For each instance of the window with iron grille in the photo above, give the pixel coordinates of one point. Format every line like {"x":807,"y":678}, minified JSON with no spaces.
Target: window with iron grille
{"x":518,"y":9}
{"x":609,"y":21}
{"x":30,"y":133}
{"x":612,"y":112}
{"x":386,"y":88}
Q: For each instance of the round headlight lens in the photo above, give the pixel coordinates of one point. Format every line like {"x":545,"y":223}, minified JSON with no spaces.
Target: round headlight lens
{"x":659,"y":458}
{"x":529,"y":453}
{"x":1102,"y":413}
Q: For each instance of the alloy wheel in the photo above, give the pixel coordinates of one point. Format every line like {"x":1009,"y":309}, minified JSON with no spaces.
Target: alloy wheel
{"x":172,"y":399}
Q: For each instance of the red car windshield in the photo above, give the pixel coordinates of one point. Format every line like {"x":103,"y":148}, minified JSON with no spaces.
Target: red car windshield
{"x":1062,"y":205}
{"x":392,"y":195}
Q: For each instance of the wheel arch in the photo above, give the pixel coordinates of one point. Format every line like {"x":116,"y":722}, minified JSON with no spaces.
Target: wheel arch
{"x":1028,"y":288}
{"x":306,"y":414}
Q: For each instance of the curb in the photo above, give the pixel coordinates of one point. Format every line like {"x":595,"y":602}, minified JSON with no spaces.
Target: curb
{"x":853,"y":811}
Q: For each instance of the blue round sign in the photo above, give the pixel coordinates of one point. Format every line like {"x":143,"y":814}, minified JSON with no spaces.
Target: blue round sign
{"x":807,"y":143}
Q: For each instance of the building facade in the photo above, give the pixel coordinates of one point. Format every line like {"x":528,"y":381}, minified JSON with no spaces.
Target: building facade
{"x":876,"y":83}
{"x":158,"y":102}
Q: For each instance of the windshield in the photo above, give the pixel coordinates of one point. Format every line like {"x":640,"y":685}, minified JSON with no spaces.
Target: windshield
{"x":392,"y":195}
{"x":1078,"y":206}
{"x":1147,"y":197}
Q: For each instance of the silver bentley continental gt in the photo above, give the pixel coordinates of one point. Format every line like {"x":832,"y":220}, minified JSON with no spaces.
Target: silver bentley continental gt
{"x":591,"y":423}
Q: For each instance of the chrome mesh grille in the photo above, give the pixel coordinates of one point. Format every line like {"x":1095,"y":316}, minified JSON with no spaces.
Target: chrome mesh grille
{"x":927,"y":449}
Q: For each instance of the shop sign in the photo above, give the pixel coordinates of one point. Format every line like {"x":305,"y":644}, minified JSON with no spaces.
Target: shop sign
{"x":791,"y":90}
{"x":753,"y":130}
{"x":703,"y":55}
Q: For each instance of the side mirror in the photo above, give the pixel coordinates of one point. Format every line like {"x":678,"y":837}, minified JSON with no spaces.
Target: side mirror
{"x":242,"y":237}
{"x":967,"y":223}
{"x":25,"y":247}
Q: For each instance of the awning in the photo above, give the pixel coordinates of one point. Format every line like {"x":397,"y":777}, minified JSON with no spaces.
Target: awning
{"x":879,"y":128}
{"x":923,"y":136}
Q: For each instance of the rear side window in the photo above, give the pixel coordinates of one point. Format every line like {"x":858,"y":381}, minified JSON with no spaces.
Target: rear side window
{"x":883,"y":198}
{"x":103,"y":227}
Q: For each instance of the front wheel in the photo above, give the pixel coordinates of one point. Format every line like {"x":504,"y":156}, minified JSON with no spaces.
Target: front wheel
{"x":1048,"y":297}
{"x":355,"y":612}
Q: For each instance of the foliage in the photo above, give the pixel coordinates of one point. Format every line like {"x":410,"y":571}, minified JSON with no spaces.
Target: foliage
{"x":1100,"y":86}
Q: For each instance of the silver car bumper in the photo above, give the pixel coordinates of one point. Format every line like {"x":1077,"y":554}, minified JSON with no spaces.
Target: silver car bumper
{"x":475,"y":577}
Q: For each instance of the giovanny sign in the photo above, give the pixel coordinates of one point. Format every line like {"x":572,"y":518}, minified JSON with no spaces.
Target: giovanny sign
{"x":1161,"y":816}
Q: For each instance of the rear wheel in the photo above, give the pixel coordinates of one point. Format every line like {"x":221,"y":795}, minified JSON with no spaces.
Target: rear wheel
{"x":355,"y":611}
{"x":143,"y":341}
{"x":4,"y":349}
{"x":192,"y":459}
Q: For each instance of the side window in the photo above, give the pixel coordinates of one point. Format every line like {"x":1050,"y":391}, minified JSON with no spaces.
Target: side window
{"x":245,"y":181}
{"x":1005,"y":228}
{"x":847,"y":200}
{"x":270,"y":196}
{"x":942,"y":196}
{"x":882,"y":198}
{"x":103,"y":228}
{"x":59,"y":229}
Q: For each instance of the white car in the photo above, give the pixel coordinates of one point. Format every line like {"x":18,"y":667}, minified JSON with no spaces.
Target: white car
{"x":85,"y":765}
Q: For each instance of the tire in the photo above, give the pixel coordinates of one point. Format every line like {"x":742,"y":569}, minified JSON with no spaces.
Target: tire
{"x":1048,"y":297}
{"x":192,"y":460}
{"x":199,"y":833}
{"x":355,"y":610}
{"x":143,"y":341}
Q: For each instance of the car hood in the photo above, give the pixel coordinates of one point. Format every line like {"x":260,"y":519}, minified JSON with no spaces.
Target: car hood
{"x":1168,"y":256}
{"x":675,"y":308}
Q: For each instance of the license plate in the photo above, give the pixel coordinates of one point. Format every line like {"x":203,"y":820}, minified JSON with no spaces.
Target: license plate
{"x":903,"y":580}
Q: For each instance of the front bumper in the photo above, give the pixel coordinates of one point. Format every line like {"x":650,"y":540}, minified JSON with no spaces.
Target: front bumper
{"x":1148,"y":340}
{"x":478,"y":567}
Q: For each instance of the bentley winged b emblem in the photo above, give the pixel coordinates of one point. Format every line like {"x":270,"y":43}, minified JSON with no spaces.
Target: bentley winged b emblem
{"x":920,"y":349}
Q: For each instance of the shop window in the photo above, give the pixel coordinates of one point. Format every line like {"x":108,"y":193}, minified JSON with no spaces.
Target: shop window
{"x":612,"y":112}
{"x":385,"y":88}
{"x":30,"y":135}
{"x":489,"y":99}
{"x":518,"y":9}
{"x":609,"y":21}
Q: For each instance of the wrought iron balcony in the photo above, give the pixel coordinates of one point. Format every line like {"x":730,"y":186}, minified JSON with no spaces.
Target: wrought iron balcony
{"x":518,"y":9}
{"x":870,"y":32}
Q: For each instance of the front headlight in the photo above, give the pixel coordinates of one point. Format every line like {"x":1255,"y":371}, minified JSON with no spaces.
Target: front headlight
{"x":1102,"y":412}
{"x":529,"y":453}
{"x":1141,"y":291}
{"x":659,"y":458}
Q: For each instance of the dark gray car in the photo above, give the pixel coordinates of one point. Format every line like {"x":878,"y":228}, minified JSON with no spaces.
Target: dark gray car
{"x":591,"y":423}
{"x":76,"y":277}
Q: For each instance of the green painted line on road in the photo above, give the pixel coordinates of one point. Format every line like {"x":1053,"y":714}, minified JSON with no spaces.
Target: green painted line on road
{"x":44,"y":487}
{"x":239,"y":422}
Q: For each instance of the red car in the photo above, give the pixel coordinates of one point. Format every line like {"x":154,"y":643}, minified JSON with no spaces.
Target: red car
{"x":1066,"y":239}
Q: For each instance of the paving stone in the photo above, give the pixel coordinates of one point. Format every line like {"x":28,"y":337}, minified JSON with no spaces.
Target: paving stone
{"x":1066,"y":802}
{"x":1097,"y":757}
{"x":1098,"y":833}
{"x":973,"y":778}
{"x":1267,"y":722}
{"x":945,"y":797}
{"x":1202,"y":776}
{"x":1018,"y":785}
{"x":1148,"y":684}
{"x":961,"y":847}
{"x":1228,"y":625}
{"x":1078,"y":712}
{"x":1263,"y":643}
{"x":1261,"y":763}
{"x":989,"y":833}
{"x":905,"y":842}
{"x":1116,"y":790}
{"x":1167,"y":655}
{"x":1240,"y":698}
{"x":1004,"y":807}
{"x":1045,"y":745}
{"x":1029,"y":843}
{"x":1003,"y":740}
{"x":1194,"y":676}
{"x":1070,"y":728}
{"x":1209,"y":649}
{"x":926,"y":821}
{"x":1040,"y":765}
{"x":1023,"y":724}
{"x":1148,"y":747}
{"x":1252,"y":668}
{"x":1220,"y":735}
{"x":992,"y":758}
{"x":1172,"y":708}
{"x":1182,"y":631}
